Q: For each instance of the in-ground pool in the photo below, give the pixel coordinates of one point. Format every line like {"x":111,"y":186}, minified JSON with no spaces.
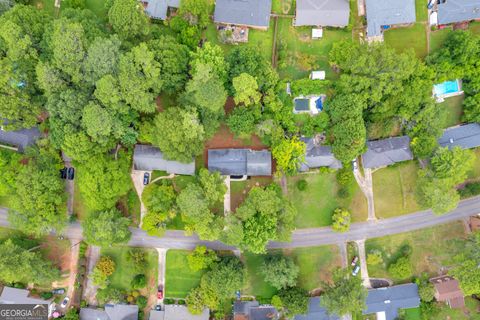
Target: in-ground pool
{"x":446,"y":88}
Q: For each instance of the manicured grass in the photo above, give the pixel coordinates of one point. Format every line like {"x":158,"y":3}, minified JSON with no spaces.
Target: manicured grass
{"x":256,"y":285}
{"x":421,"y":11}
{"x":316,"y":264}
{"x":475,"y":27}
{"x":47,"y":5}
{"x":179,"y":278}
{"x":98,"y":7}
{"x":413,"y":314}
{"x":475,"y":173}
{"x":283,"y":6}
{"x":158,"y":173}
{"x":405,"y":38}
{"x":431,"y":249}
{"x":394,"y":189}
{"x":438,"y":37}
{"x":298,"y":54}
{"x":453,"y":110}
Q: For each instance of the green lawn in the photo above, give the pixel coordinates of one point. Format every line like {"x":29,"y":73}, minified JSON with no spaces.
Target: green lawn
{"x":413,"y":314}
{"x":405,"y":38}
{"x":394,"y":189}
{"x":256,"y":286}
{"x":298,"y":54}
{"x":453,"y":110}
{"x":98,"y":7}
{"x":421,"y":10}
{"x":468,"y":313}
{"x":475,"y":27}
{"x":47,"y":5}
{"x":475,"y":173}
{"x":438,"y":37}
{"x":283,"y":6}
{"x":179,"y":278}
{"x":431,"y":249}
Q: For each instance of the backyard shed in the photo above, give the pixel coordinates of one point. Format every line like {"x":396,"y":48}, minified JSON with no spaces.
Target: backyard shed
{"x":332,"y":13}
{"x":447,"y":289}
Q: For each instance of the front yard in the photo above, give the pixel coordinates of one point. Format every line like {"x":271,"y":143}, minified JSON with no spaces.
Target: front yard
{"x":239,"y":189}
{"x":256,"y":284}
{"x":179,"y":279}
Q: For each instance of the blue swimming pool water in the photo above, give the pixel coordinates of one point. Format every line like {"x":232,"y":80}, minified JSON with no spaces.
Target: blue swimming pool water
{"x":446,"y":88}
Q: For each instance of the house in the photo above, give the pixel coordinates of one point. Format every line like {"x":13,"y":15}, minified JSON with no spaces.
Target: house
{"x":252,"y":310}
{"x":386,"y":302}
{"x":317,"y":156}
{"x":381,"y":14}
{"x":447,"y":290}
{"x":177,"y":312}
{"x":148,"y":158}
{"x":21,"y":296}
{"x":312,"y":104}
{"x":466,"y":136}
{"x":453,"y":11}
{"x":382,"y":153}
{"x":331,"y":13}
{"x":158,"y":9}
{"x":111,"y":312}
{"x":240,"y":162}
{"x":18,"y":140}
{"x":316,"y":312}
{"x":249,"y":13}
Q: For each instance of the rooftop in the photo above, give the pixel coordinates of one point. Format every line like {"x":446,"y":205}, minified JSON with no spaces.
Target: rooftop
{"x":19,"y":296}
{"x":448,"y":289}
{"x":20,"y":138}
{"x":388,"y":300}
{"x":239,"y":162}
{"x":177,"y":312}
{"x":316,"y":312}
{"x":465,"y":136}
{"x":381,"y":153}
{"x":334,"y":13}
{"x":149,"y":158}
{"x":111,"y":312}
{"x":252,"y":310}
{"x":254,"y":13}
{"x":158,"y":9}
{"x":318,"y":156}
{"x":452,"y":11}
{"x":388,"y":12}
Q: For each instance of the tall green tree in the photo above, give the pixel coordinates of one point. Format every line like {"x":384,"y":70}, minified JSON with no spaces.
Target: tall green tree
{"x":289,"y":155}
{"x":201,"y":258}
{"x":294,"y":300}
{"x":280,"y":272}
{"x":466,"y":269}
{"x":106,"y":228}
{"x":212,"y":55}
{"x":128,"y":19}
{"x":102,"y":58}
{"x":246,"y":90}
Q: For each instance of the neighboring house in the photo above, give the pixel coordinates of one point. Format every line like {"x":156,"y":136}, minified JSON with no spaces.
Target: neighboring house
{"x":240,"y":162}
{"x":453,"y":11}
{"x":466,"y":136}
{"x":382,"y":14}
{"x":177,"y":312}
{"x":317,"y":156}
{"x":331,"y":13}
{"x":447,"y":289}
{"x":316,"y":312}
{"x":158,"y":9}
{"x":21,"y":296}
{"x":148,"y":158}
{"x":19,"y":139}
{"x":249,"y":13}
{"x":111,"y":312}
{"x":252,"y":310}
{"x":386,"y":302}
{"x":382,"y":153}
{"x":312,"y":104}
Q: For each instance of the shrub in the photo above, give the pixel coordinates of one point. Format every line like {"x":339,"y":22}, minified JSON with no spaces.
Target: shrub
{"x":345,"y":175}
{"x":135,"y":294}
{"x":401,"y":269}
{"x":302,"y":185}
{"x":341,"y":220}
{"x":141,"y":302}
{"x":426,"y":292}
{"x":374,"y":258}
{"x":181,"y":302}
{"x":139,"y":281}
{"x":470,"y":190}
{"x":106,"y":266}
{"x":46,"y":295}
{"x":83,"y":304}
{"x":344,"y":192}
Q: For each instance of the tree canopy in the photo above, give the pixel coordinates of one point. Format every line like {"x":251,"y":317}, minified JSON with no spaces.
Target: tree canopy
{"x":106,"y":228}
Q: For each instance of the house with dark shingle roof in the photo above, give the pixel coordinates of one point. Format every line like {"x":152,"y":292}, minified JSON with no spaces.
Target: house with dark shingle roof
{"x":465,"y":136}
{"x":386,"y":302}
{"x":111,"y":312}
{"x":178,"y":312}
{"x":382,"y":153}
{"x":148,"y":158}
{"x":240,"y":162}
{"x":331,"y":13}
{"x":22,"y":296}
{"x":19,"y":139}
{"x":158,"y":9}
{"x":447,"y":289}
{"x":453,"y":11}
{"x":316,"y":312}
{"x":381,"y":13}
{"x":317,"y":156}
{"x":252,"y":310}
{"x":249,"y":13}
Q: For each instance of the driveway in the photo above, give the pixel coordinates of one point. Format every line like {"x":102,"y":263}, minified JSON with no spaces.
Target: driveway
{"x":69,"y":185}
{"x":363,"y":263}
{"x":137,"y":178}
{"x":90,"y":292}
{"x":75,"y":252}
{"x":162,"y":266}
{"x":366,"y":185}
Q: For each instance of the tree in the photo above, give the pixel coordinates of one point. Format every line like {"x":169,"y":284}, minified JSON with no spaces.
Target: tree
{"x":426,"y":291}
{"x":106,"y":228}
{"x":241,"y":120}
{"x":289,"y":155}
{"x":246,"y":90}
{"x":213,"y":186}
{"x":201,"y":258}
{"x":109,"y":294}
{"x":345,"y":295}
{"x":212,"y":55}
{"x":294,"y":300}
{"x":159,"y":198}
{"x":139,"y":282}
{"x":200,"y":9}
{"x":141,"y":302}
{"x":72,"y":314}
{"x":341,"y":220}
{"x":182,"y":134}
{"x":106,"y":266}
{"x":401,"y":269}
{"x":466,"y":270}
{"x":128,"y":19}
{"x":154,"y":223}
{"x":102,"y":58}
{"x":8,"y":167}
{"x":471,"y":108}
{"x":280,"y":272}
{"x":138,"y":258}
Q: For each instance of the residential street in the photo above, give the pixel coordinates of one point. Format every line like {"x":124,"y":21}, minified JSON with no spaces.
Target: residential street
{"x":302,"y":237}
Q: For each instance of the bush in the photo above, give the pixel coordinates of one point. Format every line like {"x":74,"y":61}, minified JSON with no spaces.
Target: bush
{"x":139,"y":281}
{"x":344,"y":192}
{"x":374,"y":258}
{"x":168,"y":301}
{"x":302,"y":185}
{"x":83,"y":304}
{"x":345,"y":175}
{"x":341,"y":220}
{"x":181,"y":302}
{"x":46,"y":295}
{"x":141,"y":302}
{"x":470,"y":190}
{"x":426,"y":292}
{"x":401,"y":269}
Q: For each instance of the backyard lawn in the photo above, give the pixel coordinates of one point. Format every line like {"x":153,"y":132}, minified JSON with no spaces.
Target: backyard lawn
{"x":178,"y":276}
{"x":438,"y":37}
{"x":425,"y":257}
{"x":421,"y":10}
{"x":405,"y":38}
{"x":256,"y":286}
{"x":239,"y":189}
{"x":394,"y":189}
{"x":283,"y":6}
{"x":453,"y":110}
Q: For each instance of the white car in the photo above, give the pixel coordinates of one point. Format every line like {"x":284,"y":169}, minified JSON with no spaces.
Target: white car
{"x":354,"y":164}
{"x":65,"y":302}
{"x":355,"y":271}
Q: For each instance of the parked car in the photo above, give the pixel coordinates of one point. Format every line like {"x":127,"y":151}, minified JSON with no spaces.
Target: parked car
{"x":355,"y":271}
{"x":70,"y":173}
{"x":63,"y":173}
{"x":58,"y":291}
{"x":158,"y":307}
{"x":146,"y":178}
{"x":354,"y":164}
{"x":160,"y":294}
{"x":65,"y":302}
{"x":354,"y":261}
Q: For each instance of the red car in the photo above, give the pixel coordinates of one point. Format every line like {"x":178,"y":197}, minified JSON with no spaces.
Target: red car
{"x":160,"y":294}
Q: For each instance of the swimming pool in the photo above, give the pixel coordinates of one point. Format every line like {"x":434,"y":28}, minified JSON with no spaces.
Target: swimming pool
{"x":446,"y":88}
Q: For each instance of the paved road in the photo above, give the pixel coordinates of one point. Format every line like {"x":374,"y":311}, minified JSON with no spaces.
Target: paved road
{"x":302,"y":237}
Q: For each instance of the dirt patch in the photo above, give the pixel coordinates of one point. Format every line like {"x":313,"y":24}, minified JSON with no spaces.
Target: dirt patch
{"x":159,"y":103}
{"x":229,"y":105}
{"x":58,"y":252}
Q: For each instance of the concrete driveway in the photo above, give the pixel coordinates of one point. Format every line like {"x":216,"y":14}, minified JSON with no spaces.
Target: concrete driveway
{"x":137,"y":178}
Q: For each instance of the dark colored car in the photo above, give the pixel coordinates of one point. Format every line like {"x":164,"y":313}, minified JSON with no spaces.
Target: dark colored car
{"x":146,"y":178}
{"x":58,"y":291}
{"x":158,"y":307}
{"x":70,"y":173}
{"x":63,"y":173}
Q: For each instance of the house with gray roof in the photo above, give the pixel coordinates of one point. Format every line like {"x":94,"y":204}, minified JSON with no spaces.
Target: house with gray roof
{"x":453,"y":11}
{"x":148,"y":158}
{"x":21,"y":296}
{"x":382,"y":153}
{"x":177,"y":312}
{"x":386,"y":302}
{"x":252,"y":310}
{"x":317,"y":156}
{"x":331,"y":13}
{"x":381,"y":13}
{"x":240,"y":162}
{"x":465,"y":136}
{"x":158,"y":9}
{"x":316,"y":312}
{"x":111,"y":312}
{"x":19,"y":139}
{"x":250,"y":13}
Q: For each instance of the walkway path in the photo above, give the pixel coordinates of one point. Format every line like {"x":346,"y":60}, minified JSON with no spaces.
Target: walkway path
{"x":90,"y":292}
{"x":366,"y":185}
{"x":363,"y":263}
{"x":227,"y":204}
{"x":162,"y":263}
{"x":343,"y":254}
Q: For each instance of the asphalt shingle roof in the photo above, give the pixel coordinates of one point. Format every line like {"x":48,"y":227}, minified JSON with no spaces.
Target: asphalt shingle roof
{"x":150,"y":158}
{"x":240,"y":162}
{"x":19,"y":296}
{"x":316,"y":312}
{"x":111,"y":312}
{"x":452,"y":11}
{"x":317,"y":156}
{"x":388,"y":12}
{"x":390,"y":299}
{"x":158,"y":9}
{"x":255,"y":13}
{"x":334,"y":13}
{"x":381,"y":153}
{"x":178,"y":312}
{"x":465,"y":136}
{"x":20,"y":138}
